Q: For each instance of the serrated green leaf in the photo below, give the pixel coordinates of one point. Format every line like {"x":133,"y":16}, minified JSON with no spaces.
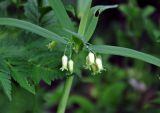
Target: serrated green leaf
{"x":10,"y":51}
{"x":39,"y":74}
{"x":39,"y":15}
{"x":121,"y":51}
{"x":31,"y":11}
{"x":6,"y":84}
{"x":21,"y":79}
{"x":46,"y":74}
{"x":48,"y":19}
{"x":3,"y":66}
{"x":3,"y":7}
{"x":32,"y":28}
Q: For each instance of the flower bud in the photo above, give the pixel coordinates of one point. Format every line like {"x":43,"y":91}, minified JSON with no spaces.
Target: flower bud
{"x":64,"y":63}
{"x":51,"y":45}
{"x":99,"y":64}
{"x":91,"y":58}
{"x":71,"y":66}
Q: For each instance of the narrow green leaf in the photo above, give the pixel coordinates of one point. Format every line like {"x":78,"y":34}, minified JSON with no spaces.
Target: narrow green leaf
{"x":91,"y":27}
{"x":83,"y":13}
{"x":32,"y":28}
{"x":6,"y":84}
{"x":61,"y":14}
{"x":93,"y":17}
{"x":101,"y":8}
{"x":82,"y":7}
{"x":113,"y":50}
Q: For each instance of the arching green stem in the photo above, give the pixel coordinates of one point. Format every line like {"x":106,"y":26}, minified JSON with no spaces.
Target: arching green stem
{"x":65,"y":95}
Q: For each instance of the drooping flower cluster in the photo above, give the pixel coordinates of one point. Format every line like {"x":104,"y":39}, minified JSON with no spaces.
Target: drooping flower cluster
{"x":67,"y":65}
{"x":94,"y":63}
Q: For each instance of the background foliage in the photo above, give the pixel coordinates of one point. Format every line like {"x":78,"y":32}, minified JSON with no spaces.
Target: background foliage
{"x":128,"y":86}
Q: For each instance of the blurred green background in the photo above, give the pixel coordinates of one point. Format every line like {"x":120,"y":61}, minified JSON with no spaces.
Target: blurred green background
{"x":127,"y":85}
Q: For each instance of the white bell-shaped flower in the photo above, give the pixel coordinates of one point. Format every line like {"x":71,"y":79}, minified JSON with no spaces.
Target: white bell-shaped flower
{"x":99,"y":64}
{"x":91,"y":58}
{"x":64,"y":63}
{"x":71,"y":66}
